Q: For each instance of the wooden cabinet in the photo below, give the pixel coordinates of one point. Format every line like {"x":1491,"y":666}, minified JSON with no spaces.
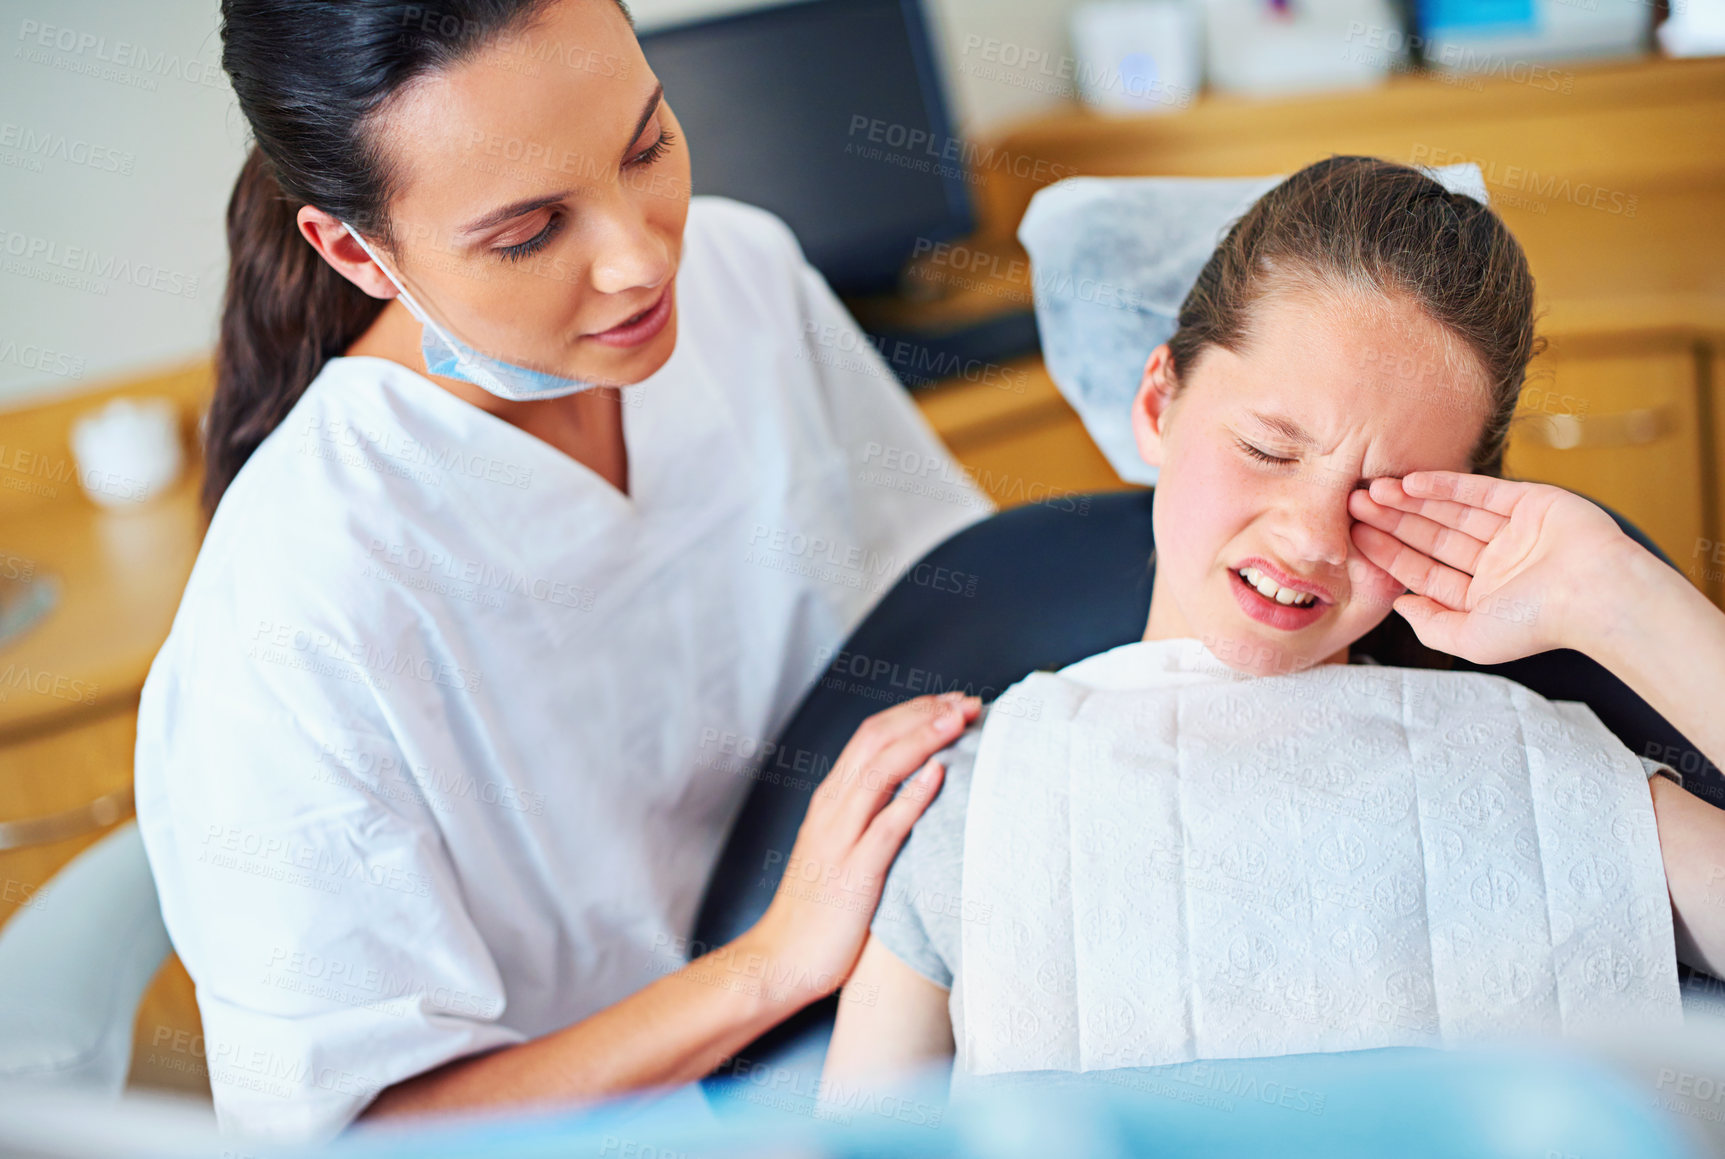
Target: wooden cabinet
{"x":1620,"y":422}
{"x":1707,"y":564}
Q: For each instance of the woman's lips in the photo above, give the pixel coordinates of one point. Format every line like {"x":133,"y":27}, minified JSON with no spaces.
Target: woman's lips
{"x":638,"y":329}
{"x":1287,"y":617}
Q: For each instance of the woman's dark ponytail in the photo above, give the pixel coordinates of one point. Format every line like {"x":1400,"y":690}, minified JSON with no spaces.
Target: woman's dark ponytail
{"x":309,"y":75}
{"x":286,"y":312}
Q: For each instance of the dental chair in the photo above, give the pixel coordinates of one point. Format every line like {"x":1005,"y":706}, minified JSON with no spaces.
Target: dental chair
{"x":74,"y":964}
{"x":1053,"y":583}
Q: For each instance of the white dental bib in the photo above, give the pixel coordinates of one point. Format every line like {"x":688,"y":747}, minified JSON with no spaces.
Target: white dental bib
{"x":1184,"y":863}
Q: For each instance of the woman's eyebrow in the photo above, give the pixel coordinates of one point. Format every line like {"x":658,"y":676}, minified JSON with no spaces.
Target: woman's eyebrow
{"x":529,"y":204}
{"x":512,"y":210}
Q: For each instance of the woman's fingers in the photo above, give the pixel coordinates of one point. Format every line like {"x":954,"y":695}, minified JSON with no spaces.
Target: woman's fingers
{"x":881,"y":731}
{"x":904,"y":756}
{"x":881,"y":840}
{"x":889,"y":747}
{"x":1413,"y":569}
{"x":821,"y":929}
{"x":1446,"y":544}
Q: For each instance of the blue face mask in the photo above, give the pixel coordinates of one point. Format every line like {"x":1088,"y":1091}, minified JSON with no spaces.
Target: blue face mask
{"x":448,"y":357}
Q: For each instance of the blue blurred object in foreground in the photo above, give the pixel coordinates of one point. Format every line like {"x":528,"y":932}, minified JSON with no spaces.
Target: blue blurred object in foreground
{"x":1407,"y":1102}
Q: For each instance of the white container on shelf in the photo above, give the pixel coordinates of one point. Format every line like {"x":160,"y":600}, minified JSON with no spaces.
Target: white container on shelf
{"x":1266,"y":49}
{"x":1138,"y":56}
{"x":1694,"y":28}
{"x":1554,"y":30}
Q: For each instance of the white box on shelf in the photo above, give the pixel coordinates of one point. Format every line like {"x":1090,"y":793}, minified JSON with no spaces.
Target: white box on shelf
{"x":1555,"y":30}
{"x":1138,"y":56}
{"x":1266,"y":48}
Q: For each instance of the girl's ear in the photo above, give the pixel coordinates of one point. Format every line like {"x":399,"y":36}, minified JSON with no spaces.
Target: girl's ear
{"x":1150,"y":407}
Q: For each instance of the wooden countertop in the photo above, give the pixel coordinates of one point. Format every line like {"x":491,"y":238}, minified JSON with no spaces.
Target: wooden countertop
{"x":120,"y":575}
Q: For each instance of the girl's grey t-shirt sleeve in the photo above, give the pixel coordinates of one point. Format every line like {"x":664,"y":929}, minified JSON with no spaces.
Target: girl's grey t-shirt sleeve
{"x":921,"y":905}
{"x":1661,"y":769}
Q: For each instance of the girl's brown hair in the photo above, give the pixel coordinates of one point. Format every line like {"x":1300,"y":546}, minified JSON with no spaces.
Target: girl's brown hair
{"x":1363,"y":224}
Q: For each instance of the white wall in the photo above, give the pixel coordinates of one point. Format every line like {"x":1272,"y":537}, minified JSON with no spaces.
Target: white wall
{"x":120,"y":139}
{"x":118,"y":145}
{"x":1005,"y":59}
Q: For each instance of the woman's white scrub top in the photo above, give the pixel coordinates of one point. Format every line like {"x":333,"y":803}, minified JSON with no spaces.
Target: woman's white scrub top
{"x":448,"y":732}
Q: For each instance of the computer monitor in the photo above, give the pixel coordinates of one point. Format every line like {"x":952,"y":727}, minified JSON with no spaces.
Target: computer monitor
{"x":831,"y":114}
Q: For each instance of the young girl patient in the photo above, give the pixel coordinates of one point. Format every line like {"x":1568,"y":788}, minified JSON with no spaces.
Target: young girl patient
{"x":1359,"y":323}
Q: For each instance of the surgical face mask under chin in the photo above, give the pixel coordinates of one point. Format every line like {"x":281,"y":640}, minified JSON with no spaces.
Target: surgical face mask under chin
{"x":448,"y":357}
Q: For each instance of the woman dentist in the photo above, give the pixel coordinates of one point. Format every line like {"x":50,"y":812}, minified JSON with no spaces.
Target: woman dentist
{"x":443,"y":744}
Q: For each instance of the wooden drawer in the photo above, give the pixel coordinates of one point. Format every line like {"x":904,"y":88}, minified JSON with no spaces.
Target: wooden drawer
{"x":1621,"y":424}
{"x":61,"y":772}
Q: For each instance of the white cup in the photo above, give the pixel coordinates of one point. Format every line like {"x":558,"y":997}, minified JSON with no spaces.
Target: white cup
{"x":128,"y":451}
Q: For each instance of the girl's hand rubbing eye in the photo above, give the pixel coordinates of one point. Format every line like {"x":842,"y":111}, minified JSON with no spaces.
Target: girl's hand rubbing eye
{"x":1495,"y":569}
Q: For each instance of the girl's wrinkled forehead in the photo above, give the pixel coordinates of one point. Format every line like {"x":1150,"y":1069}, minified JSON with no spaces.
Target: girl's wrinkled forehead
{"x":1319,"y":363}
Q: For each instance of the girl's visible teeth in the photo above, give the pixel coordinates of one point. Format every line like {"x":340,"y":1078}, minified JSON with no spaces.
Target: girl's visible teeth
{"x":1270,"y":589}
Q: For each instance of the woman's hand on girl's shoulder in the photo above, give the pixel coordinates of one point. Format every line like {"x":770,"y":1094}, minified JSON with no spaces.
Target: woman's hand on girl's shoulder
{"x":1496,"y":569}
{"x":819,"y":918}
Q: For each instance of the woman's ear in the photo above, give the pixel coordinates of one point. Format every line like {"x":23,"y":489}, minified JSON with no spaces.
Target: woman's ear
{"x":330,"y":238}
{"x":1150,"y":407}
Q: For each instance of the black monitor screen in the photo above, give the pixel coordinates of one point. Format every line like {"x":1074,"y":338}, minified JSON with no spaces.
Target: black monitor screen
{"x":830,"y":114}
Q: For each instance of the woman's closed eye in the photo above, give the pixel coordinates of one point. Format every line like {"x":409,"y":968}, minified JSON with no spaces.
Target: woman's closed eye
{"x":1261,"y":456}
{"x":534,"y":244}
{"x":554,"y":223}
{"x":654,"y":151}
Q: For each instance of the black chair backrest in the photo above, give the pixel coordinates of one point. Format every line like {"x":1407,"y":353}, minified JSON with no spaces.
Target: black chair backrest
{"x":1039,"y":587}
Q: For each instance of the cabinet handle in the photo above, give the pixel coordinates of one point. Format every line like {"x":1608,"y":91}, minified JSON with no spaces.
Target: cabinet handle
{"x":98,"y":814}
{"x":1571,"y":432}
